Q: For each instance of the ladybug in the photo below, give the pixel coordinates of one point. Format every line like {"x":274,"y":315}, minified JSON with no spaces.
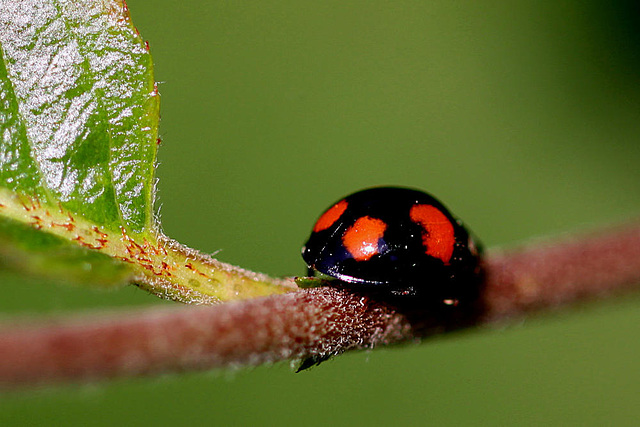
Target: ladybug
{"x":397,"y":241}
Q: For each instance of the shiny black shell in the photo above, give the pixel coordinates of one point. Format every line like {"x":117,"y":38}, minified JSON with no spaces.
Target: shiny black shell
{"x":399,"y":240}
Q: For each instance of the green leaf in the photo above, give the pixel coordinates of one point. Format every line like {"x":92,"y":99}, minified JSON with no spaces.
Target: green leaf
{"x":78,"y":123}
{"x":80,"y":112}
{"x":47,"y":255}
{"x":311,"y":282}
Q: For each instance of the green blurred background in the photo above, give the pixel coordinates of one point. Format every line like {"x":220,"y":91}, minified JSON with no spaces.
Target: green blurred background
{"x":523,"y":117}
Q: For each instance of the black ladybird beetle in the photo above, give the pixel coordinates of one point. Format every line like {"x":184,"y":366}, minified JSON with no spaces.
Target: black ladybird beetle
{"x":395,"y":240}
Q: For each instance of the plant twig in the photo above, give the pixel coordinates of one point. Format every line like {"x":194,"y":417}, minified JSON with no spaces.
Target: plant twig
{"x":310,"y":323}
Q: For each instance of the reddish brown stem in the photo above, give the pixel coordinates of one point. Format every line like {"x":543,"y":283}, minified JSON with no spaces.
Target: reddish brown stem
{"x":313,"y":322}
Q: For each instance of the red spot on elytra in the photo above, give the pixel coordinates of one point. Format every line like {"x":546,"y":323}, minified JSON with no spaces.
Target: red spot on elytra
{"x":330,"y":216}
{"x":361,"y":239}
{"x":437,"y":235}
